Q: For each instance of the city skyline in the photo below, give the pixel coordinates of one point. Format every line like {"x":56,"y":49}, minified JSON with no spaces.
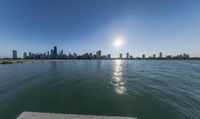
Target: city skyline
{"x":146,"y":26}
{"x":60,"y":54}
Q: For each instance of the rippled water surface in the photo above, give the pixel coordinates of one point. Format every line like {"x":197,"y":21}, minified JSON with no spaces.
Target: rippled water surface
{"x":143,"y":89}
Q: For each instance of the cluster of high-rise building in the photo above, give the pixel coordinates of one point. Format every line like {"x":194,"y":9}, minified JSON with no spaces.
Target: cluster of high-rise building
{"x":54,"y":54}
{"x":160,"y":56}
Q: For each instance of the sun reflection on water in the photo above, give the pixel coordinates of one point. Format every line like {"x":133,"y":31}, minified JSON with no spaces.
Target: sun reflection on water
{"x":117,"y":80}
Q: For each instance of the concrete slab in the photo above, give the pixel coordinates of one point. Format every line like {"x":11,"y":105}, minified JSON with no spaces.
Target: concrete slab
{"x":39,"y":115}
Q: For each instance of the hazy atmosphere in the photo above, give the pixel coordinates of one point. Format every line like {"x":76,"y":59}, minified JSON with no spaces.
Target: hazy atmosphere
{"x":144,"y":26}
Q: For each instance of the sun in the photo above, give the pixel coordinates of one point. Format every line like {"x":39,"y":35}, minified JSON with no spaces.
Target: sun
{"x":117,"y":42}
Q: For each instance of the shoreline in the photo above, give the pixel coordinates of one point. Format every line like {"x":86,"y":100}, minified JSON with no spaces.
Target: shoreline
{"x":19,"y":61}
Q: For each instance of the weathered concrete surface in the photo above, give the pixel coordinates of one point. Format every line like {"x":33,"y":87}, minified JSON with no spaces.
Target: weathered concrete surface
{"x":39,"y":115}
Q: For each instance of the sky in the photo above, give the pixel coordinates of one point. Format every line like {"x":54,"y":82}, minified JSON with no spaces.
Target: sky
{"x":145,"y":26}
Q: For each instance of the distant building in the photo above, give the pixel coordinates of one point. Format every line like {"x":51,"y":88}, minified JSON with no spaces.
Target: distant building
{"x":106,"y":56}
{"x":185,"y":56}
{"x":55,"y":52}
{"x":30,"y":55}
{"x":48,"y":55}
{"x":168,"y":56}
{"x":120,"y":56}
{"x":154,"y":56}
{"x":14,"y":54}
{"x":42,"y":56}
{"x":52,"y":52}
{"x":179,"y":56}
{"x":143,"y":56}
{"x":70,"y":56}
{"x":61,"y":54}
{"x":98,"y":54}
{"x":25,"y":55}
{"x":160,"y":55}
{"x":127,"y":55}
{"x":109,"y":56}
{"x":75,"y":55}
{"x":90,"y":56}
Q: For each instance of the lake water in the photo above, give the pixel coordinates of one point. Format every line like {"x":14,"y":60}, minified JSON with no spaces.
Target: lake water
{"x":142,"y":89}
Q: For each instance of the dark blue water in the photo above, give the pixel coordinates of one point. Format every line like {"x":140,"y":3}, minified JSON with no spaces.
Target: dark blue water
{"x":143,"y":89}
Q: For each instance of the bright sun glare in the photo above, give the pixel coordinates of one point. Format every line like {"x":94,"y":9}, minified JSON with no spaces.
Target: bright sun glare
{"x":117,"y":42}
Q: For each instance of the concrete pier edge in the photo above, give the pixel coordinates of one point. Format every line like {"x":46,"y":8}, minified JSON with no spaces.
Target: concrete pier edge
{"x":42,"y":115}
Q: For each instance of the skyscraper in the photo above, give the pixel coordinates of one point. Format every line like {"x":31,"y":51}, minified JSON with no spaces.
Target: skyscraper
{"x":154,"y":55}
{"x":55,"y":51}
{"x":120,"y":55}
{"x":30,"y":55}
{"x":127,"y":55}
{"x":25,"y":55}
{"x":61,"y":54}
{"x":70,"y":56}
{"x":52,"y":52}
{"x":160,"y":55}
{"x":14,"y":54}
{"x":98,"y":54}
{"x":143,"y":56}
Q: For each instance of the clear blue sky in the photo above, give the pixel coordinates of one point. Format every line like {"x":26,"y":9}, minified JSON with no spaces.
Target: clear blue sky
{"x":147,"y":26}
